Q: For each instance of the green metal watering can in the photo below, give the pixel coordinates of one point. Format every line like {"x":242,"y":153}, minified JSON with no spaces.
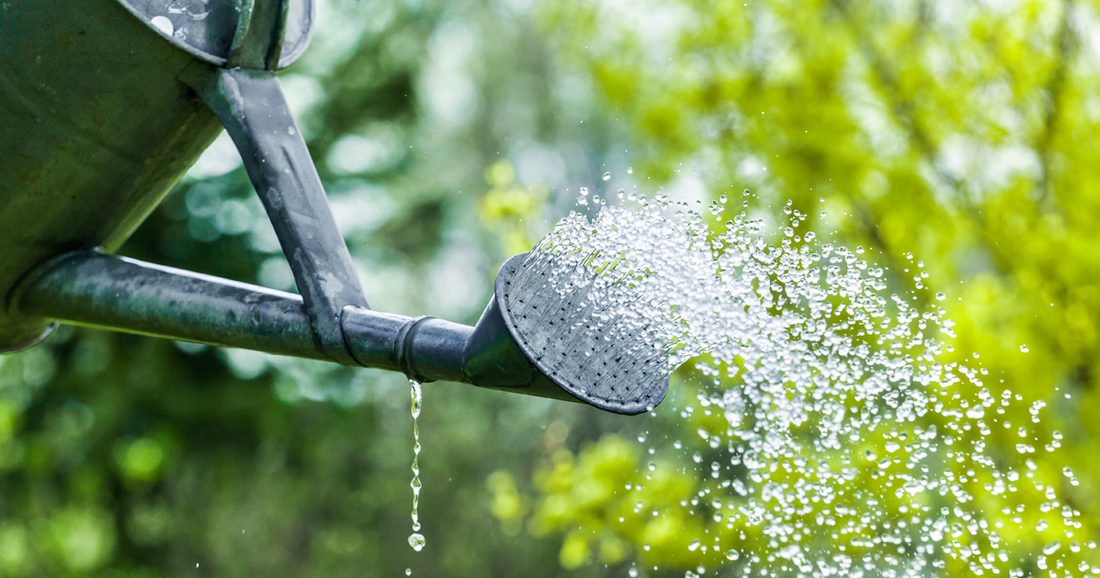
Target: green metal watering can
{"x":105,"y":104}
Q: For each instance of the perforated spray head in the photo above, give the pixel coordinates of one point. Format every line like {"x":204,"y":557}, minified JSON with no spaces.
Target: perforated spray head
{"x":571,"y":334}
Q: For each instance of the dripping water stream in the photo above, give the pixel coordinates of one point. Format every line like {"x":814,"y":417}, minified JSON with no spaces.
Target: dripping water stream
{"x":416,"y":539}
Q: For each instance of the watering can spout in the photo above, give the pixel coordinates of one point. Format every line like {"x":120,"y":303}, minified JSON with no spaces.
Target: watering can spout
{"x":92,"y":289}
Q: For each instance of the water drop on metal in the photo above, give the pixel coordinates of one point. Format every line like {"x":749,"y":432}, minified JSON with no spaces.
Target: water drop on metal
{"x":163,"y":24}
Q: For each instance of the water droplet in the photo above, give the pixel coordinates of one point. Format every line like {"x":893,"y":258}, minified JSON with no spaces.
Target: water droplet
{"x":1052,"y":547}
{"x":163,"y":24}
{"x":1023,"y":349}
{"x":607,"y":176}
{"x":417,"y":541}
{"x":941,"y":296}
{"x":694,"y":545}
{"x":417,"y":396}
{"x":629,"y":171}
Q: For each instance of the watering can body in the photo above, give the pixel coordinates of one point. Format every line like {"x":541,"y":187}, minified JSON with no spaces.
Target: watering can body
{"x":105,"y":104}
{"x":95,"y":127}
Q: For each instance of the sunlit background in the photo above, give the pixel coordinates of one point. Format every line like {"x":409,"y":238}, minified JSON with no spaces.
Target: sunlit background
{"x":453,"y":134}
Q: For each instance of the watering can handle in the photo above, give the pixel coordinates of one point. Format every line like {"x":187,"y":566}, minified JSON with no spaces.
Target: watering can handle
{"x":251,"y":106}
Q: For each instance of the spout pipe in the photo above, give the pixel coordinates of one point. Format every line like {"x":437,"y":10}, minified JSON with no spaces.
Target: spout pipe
{"x":91,"y":289}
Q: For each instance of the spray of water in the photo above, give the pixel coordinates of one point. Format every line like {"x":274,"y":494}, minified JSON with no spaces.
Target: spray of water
{"x":814,"y":371}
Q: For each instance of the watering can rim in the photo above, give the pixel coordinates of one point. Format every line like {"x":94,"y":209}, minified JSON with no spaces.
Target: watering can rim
{"x":297,"y":45}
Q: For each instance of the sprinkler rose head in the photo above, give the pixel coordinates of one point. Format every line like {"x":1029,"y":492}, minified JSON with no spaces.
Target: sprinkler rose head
{"x":554,"y":341}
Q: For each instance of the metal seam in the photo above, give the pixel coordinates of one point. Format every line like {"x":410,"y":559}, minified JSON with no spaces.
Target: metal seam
{"x":402,"y":347}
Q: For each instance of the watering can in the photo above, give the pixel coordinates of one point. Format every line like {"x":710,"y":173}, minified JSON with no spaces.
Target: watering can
{"x":105,"y":104}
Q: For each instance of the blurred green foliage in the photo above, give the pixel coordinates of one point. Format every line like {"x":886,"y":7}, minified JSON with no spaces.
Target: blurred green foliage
{"x":505,"y":206}
{"x":450,"y":135}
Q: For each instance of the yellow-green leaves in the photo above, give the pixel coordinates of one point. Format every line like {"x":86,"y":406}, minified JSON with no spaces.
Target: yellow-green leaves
{"x":513,"y":209}
{"x":507,"y":505}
